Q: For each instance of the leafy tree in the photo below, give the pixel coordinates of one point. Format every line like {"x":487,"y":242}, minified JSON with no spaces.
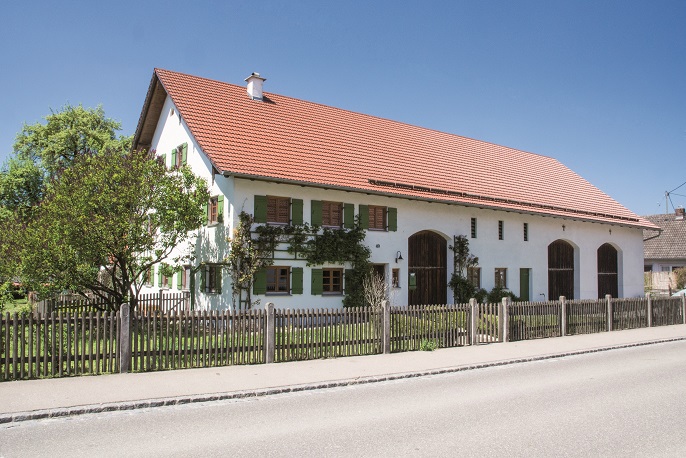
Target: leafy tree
{"x":107,"y":219}
{"x":463,"y":290}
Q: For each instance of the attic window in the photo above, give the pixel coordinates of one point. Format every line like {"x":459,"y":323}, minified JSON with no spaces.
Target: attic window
{"x":171,"y":112}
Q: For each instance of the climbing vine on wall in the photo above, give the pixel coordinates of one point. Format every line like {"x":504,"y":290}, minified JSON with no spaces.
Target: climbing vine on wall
{"x":313,"y":244}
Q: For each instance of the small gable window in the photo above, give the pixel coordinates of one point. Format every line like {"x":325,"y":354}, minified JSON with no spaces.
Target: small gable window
{"x":215,"y":210}
{"x":179,"y":156}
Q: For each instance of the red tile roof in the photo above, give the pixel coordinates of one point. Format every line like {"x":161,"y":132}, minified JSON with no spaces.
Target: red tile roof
{"x":288,"y":139}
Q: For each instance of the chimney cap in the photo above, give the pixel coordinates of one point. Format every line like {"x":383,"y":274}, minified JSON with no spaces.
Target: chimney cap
{"x":255,"y":75}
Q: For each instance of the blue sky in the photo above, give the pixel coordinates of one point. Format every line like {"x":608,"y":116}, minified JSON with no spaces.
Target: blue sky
{"x":598,"y":85}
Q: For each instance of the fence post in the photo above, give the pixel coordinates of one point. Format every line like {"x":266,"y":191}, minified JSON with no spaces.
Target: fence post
{"x":649,"y":311}
{"x":473,"y":315}
{"x":124,"y":338}
{"x":386,"y":323}
{"x":563,"y":316}
{"x":270,"y":337}
{"x":683,"y":307}
{"x":160,"y":300}
{"x":608,"y":298}
{"x":503,"y":320}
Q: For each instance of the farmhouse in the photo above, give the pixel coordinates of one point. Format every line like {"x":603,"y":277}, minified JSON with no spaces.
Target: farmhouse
{"x":538,"y":229}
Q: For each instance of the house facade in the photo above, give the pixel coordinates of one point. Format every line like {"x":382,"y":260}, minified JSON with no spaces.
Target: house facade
{"x":538,"y":229}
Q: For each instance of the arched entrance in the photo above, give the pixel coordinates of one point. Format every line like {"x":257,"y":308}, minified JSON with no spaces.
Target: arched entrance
{"x":607,"y":271}
{"x":560,"y":270}
{"x":427,"y":260}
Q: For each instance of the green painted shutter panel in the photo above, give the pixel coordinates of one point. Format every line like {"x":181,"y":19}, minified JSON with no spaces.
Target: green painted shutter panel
{"x":348,"y":216}
{"x":207,"y":214}
{"x":179,"y":277}
{"x":260,"y":209}
{"x":392,"y":219}
{"x":297,"y":212}
{"x":364,"y":216}
{"x":203,"y":278}
{"x":220,"y":208}
{"x":259,"y":284}
{"x":159,"y":275}
{"x":317,"y":281}
{"x":218,"y":280}
{"x":347,"y":274}
{"x":296,"y":280}
{"x":184,"y":158}
{"x":170,"y":279}
{"x":173,"y":156}
{"x":316,"y":216}
{"x":164,"y":159}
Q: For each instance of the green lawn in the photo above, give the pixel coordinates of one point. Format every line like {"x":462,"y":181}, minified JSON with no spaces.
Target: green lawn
{"x":17,"y":306}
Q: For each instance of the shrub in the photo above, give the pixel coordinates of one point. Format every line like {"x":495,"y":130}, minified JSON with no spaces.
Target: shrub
{"x":428,"y":345}
{"x":680,"y":277}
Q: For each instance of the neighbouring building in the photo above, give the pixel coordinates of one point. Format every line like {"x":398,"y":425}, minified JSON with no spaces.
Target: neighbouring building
{"x":665,"y":250}
{"x":539,"y":229}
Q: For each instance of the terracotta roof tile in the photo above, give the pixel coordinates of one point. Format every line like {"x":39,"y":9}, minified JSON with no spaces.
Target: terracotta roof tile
{"x":671,"y":243}
{"x":291,"y":139}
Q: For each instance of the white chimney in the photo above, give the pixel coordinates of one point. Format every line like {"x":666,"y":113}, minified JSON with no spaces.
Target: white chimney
{"x":255,"y":86}
{"x":679,"y":212}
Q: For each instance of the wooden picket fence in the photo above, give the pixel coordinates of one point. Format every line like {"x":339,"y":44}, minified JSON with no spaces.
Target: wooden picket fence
{"x":67,"y":344}
{"x":164,"y":301}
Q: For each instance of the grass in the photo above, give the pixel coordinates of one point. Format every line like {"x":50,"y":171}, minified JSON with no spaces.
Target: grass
{"x":20,"y":306}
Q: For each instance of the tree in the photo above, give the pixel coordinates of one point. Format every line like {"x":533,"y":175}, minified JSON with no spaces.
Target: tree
{"x":462,"y":288}
{"x":107,"y":219}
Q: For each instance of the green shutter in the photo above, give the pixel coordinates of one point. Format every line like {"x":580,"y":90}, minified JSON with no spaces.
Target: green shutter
{"x":179,"y":277}
{"x":218,"y":280}
{"x":347,"y":274}
{"x":184,"y":158}
{"x":164,"y":159}
{"x":159,"y":275}
{"x":296,"y":280}
{"x":348,"y":216}
{"x":173,"y":156}
{"x":364,"y":216}
{"x":170,"y":279}
{"x":297,"y":212}
{"x":260,"y":209}
{"x":317,"y":281}
{"x":203,"y":279}
{"x":259,"y":284}
{"x":392,"y":219}
{"x":316,"y":216}
{"x":220,"y":208}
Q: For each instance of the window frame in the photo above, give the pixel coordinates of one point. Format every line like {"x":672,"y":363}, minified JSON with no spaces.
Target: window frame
{"x":275,"y":282}
{"x":213,"y":210}
{"x":185,"y":277}
{"x":500,"y":276}
{"x":395,"y":277}
{"x":275,"y":200}
{"x":332,"y":272}
{"x":179,"y":157}
{"x":327,"y":206}
{"x":211,"y":284}
{"x":474,"y":276}
{"x":373,"y":224}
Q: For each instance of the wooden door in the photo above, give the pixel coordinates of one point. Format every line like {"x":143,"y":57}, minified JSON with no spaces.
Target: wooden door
{"x":427,"y":260}
{"x":560,"y":270}
{"x":607,"y":271}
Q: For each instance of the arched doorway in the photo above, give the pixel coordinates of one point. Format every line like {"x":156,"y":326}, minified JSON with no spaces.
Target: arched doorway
{"x":427,"y":260}
{"x":560,"y":270}
{"x":607,"y":271}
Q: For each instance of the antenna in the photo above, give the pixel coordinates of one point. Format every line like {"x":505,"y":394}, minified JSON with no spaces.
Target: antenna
{"x":668,"y":197}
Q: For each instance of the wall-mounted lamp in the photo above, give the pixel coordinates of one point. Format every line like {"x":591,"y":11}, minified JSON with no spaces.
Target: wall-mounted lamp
{"x":563,"y":228}
{"x":398,"y":257}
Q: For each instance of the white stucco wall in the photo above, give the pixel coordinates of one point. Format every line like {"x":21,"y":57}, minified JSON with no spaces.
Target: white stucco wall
{"x":512,"y":253}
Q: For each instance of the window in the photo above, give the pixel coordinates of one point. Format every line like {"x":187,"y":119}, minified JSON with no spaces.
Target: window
{"x":526,"y":232}
{"x":377,"y":218}
{"x":501,"y":235}
{"x":332,"y":214}
{"x":395,"y":279}
{"x":147,"y":277}
{"x":212,"y":279}
{"x":474,"y":276}
{"x":184,"y":278}
{"x":473,"y":228}
{"x":379,"y":270}
{"x":178,"y":155}
{"x":501,"y":277}
{"x":278,"y":210}
{"x":332,"y":281}
{"x":215,"y":210}
{"x":278,"y":280}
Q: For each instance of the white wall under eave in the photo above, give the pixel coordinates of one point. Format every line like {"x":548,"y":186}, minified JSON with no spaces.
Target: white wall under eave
{"x":512,"y":253}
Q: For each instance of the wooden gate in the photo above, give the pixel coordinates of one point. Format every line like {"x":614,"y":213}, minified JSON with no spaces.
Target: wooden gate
{"x":607,"y":271}
{"x":560,"y":270}
{"x":427,"y":260}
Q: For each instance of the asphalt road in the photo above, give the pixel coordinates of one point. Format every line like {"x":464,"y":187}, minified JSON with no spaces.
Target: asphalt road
{"x":628,"y":402}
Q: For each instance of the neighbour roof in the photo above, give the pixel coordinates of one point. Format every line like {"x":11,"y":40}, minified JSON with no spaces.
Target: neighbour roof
{"x":671,"y":243}
{"x":291,"y":140}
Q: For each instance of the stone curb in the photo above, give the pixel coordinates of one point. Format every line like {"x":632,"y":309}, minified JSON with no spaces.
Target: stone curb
{"x":188,"y":399}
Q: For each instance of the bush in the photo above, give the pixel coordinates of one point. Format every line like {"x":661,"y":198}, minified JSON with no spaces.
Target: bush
{"x":497,"y":294}
{"x":680,"y":277}
{"x":428,"y":345}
